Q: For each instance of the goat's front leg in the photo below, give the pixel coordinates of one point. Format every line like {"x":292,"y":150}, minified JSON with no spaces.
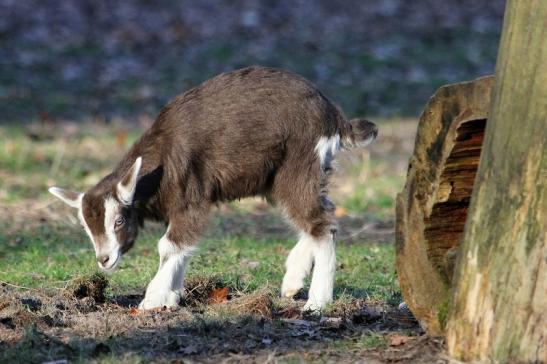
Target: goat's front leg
{"x":175,"y":249}
{"x":166,"y":287}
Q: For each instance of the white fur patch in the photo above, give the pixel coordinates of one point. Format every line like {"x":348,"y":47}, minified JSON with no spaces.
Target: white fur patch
{"x":326,"y":148}
{"x":322,"y":283}
{"x":112,"y":248}
{"x":63,"y":196}
{"x":127,"y":192}
{"x":298,"y":265}
{"x":166,"y":287}
{"x":111,"y":211}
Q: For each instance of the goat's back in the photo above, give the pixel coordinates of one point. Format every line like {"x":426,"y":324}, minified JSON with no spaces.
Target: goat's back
{"x":226,"y":138}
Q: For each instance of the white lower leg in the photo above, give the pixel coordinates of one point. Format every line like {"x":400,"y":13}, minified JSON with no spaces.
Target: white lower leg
{"x":298,"y":266}
{"x":322,"y":283}
{"x":165,"y":289}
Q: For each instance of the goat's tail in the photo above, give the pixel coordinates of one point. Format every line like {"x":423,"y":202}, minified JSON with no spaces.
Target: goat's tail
{"x":359,"y":133}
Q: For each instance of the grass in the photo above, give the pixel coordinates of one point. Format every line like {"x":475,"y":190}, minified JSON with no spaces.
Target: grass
{"x":48,"y":258}
{"x":44,"y":252}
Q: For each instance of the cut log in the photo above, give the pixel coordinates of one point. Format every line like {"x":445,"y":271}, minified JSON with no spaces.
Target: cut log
{"x":432,"y":208}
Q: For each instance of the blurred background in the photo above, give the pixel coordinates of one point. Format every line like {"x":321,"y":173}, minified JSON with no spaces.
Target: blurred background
{"x":88,"y":59}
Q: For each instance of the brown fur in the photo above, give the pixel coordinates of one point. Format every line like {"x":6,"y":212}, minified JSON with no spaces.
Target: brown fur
{"x":244,"y":133}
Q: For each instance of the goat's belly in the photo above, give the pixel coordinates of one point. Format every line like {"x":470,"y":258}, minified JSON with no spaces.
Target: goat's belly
{"x":244,"y":177}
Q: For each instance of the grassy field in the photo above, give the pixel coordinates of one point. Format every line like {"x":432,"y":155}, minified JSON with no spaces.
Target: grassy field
{"x":54,"y":305}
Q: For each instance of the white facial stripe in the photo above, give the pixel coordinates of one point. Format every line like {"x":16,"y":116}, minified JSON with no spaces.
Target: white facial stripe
{"x":111,"y":209}
{"x":326,"y":148}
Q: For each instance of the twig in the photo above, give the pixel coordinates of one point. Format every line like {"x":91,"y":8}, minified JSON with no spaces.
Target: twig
{"x":16,"y":286}
{"x":355,"y":234}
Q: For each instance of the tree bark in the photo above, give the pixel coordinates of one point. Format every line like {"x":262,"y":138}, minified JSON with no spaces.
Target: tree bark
{"x":499,"y":304}
{"x":432,"y":208}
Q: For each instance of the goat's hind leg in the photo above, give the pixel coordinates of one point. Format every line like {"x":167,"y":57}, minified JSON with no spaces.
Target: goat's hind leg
{"x":316,"y":247}
{"x":322,"y":283}
{"x":298,"y":266}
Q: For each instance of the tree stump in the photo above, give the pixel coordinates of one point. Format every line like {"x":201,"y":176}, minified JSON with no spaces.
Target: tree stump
{"x":432,"y":208}
{"x":498,"y":310}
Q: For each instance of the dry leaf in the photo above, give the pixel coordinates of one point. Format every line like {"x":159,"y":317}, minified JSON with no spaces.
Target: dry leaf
{"x":398,"y":340}
{"x":134,"y":311}
{"x":219,"y":295}
{"x":340,"y":212}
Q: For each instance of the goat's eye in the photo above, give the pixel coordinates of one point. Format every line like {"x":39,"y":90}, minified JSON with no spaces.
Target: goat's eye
{"x":119,"y":222}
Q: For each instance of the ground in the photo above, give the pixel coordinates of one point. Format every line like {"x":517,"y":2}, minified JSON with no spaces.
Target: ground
{"x":54,"y":305}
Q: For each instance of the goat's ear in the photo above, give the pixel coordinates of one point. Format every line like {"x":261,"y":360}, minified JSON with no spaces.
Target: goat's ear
{"x":128,"y":184}
{"x":71,"y":198}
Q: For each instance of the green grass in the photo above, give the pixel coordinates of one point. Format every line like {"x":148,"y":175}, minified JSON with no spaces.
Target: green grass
{"x":49,"y":257}
{"x":28,"y":166}
{"x":76,"y":159}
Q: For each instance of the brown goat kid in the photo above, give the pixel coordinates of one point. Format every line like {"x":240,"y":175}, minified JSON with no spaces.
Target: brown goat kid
{"x":254,"y":131}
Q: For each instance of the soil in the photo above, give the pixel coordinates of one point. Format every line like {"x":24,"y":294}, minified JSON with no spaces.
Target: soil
{"x":260,"y":327}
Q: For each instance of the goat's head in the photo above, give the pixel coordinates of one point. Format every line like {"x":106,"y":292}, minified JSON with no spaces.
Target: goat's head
{"x":107,"y":214}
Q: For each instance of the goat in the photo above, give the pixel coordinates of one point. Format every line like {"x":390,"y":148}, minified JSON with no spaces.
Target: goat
{"x":251,"y":132}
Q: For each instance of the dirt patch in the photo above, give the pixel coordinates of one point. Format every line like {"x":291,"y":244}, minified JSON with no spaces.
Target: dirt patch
{"x":93,"y":287}
{"x":246,"y":327}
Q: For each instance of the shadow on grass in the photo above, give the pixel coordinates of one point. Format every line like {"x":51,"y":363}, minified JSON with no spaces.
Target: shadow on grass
{"x":178,"y":334}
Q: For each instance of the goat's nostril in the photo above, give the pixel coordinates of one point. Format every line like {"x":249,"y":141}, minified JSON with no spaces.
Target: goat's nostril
{"x":103,"y":259}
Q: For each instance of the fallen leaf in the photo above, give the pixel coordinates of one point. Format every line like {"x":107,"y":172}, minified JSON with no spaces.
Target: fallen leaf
{"x":398,"y":340}
{"x":219,"y":295}
{"x":134,"y":311}
{"x":340,"y":212}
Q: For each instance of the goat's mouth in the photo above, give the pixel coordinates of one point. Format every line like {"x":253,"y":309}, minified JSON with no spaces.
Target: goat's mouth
{"x":111,"y":266}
